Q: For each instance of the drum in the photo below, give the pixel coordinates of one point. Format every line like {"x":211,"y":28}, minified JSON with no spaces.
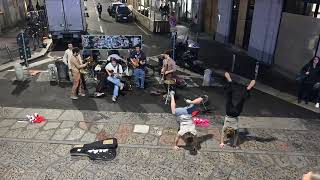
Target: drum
{"x":169,"y":82}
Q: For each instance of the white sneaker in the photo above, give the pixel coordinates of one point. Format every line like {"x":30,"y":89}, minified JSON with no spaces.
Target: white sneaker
{"x":82,"y":94}
{"x":74,"y":97}
{"x":114,"y":99}
{"x":188,"y":101}
{"x":317,"y":105}
{"x":97,"y":94}
{"x":121,"y":86}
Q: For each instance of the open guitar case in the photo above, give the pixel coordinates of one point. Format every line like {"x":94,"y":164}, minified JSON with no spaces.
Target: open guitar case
{"x":100,"y":150}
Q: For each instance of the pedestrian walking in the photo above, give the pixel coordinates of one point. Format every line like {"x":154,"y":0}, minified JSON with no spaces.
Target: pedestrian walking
{"x":162,"y":12}
{"x":99,"y":8}
{"x":76,"y":66}
{"x":230,"y":126}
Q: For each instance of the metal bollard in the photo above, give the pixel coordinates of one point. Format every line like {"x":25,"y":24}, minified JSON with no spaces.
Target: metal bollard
{"x":256,"y":71}
{"x":19,"y":72}
{"x":233,"y":62}
{"x":207,"y":77}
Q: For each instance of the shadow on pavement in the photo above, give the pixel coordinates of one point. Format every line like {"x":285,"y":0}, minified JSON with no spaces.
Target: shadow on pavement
{"x":20,"y":87}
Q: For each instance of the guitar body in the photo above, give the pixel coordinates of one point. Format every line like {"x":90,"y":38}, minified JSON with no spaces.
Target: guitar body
{"x":100,"y":150}
{"x":135,"y":63}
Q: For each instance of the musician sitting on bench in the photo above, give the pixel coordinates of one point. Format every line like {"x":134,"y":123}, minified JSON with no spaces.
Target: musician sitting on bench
{"x":187,"y":130}
{"x":114,"y":72}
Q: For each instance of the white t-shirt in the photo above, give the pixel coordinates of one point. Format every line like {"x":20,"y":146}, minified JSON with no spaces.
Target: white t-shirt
{"x":116,"y":69}
{"x":186,"y":125}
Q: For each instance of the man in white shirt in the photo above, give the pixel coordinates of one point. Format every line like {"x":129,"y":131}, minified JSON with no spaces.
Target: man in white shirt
{"x":114,"y":71}
{"x":66,"y":59}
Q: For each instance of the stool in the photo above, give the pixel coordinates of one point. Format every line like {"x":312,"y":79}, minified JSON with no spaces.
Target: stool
{"x":168,"y":83}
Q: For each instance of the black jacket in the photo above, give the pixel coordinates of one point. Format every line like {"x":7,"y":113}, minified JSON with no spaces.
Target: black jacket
{"x":99,"y":8}
{"x":314,"y":72}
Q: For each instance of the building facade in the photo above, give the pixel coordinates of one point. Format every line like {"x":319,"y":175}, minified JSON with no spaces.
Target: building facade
{"x":12,"y":12}
{"x":282,"y":33}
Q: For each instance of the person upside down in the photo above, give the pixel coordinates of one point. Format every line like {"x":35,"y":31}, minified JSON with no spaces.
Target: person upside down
{"x":230,"y":126}
{"x":187,"y":130}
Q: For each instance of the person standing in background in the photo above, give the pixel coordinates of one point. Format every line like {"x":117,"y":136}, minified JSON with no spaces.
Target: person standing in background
{"x":99,"y":8}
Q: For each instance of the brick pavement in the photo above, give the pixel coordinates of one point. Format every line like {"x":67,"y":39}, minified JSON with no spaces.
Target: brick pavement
{"x":40,"y":151}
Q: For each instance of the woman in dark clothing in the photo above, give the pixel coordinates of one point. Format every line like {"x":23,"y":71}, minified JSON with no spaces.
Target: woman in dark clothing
{"x":309,"y":76}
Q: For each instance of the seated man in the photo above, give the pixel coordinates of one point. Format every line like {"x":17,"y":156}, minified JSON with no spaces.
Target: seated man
{"x":230,"y":126}
{"x":114,"y":71}
{"x":168,"y":67}
{"x":187,"y":130}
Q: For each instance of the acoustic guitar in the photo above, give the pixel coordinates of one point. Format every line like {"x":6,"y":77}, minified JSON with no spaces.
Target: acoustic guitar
{"x":135,"y":62}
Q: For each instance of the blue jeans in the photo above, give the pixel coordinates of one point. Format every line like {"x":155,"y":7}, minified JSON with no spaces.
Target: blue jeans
{"x":186,"y":110}
{"x":116,"y":83}
{"x":139,"y":74}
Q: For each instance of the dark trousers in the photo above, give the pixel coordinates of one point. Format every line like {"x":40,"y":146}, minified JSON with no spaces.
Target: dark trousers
{"x":99,"y":14}
{"x":305,"y":89}
{"x":233,"y":110}
{"x":102,"y":77}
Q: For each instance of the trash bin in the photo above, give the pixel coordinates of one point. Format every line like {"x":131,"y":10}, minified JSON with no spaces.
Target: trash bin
{"x":19,"y":72}
{"x":62,"y":70}
{"x":207,"y":77}
{"x":53,"y":74}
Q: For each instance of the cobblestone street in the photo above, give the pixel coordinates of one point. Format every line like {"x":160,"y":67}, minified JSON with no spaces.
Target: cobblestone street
{"x":41,"y":151}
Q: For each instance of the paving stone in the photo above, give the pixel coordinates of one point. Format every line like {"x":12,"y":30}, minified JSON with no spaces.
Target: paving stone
{"x":123,"y":133}
{"x":131,"y":166}
{"x":266,"y":160}
{"x":36,"y":125}
{"x":187,"y":168}
{"x":84,"y":125}
{"x":102,"y":135}
{"x":156,"y":130}
{"x":45,"y":135}
{"x":96,"y":128}
{"x":62,"y":150}
{"x":138,"y":176}
{"x":47,"y":149}
{"x":170,"y":131}
{"x":7,"y":122}
{"x":73,"y":115}
{"x":3,"y":131}
{"x":147,"y":169}
{"x":167,"y":139}
{"x":102,"y":175}
{"x":30,"y":174}
{"x":62,"y":163}
{"x":60,"y":134}
{"x":126,"y":153}
{"x":259,"y":173}
{"x":141,"y":129}
{"x":47,"y":113}
{"x":142,"y":154}
{"x":28,"y":134}
{"x":282,"y":161}
{"x":138,"y":118}
{"x":205,"y":170}
{"x":51,"y":125}
{"x":215,"y":132}
{"x":75,"y":134}
{"x":150,"y":139}
{"x":240,"y":172}
{"x":67,"y":124}
{"x":50,"y":173}
{"x":9,"y":112}
{"x":253,"y":160}
{"x":13,"y":133}
{"x":67,"y":174}
{"x":298,"y":161}
{"x":162,"y":172}
{"x":79,"y":165}
{"x":175,"y":155}
{"x":19,"y":124}
{"x":88,"y":137}
{"x":31,"y":148}
{"x":119,"y":176}
{"x":14,"y":172}
{"x":281,"y":145}
{"x":85,"y":175}
{"x":135,"y":139}
{"x":111,"y":128}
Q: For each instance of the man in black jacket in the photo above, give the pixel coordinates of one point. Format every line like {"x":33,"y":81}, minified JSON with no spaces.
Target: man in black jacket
{"x":99,"y":8}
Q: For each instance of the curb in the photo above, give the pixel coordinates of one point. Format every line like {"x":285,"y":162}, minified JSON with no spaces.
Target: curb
{"x":41,"y":54}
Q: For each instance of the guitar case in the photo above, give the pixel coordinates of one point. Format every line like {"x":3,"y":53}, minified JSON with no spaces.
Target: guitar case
{"x":100,"y":150}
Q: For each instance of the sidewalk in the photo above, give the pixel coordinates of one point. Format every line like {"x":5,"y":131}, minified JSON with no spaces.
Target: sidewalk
{"x":269,"y":79}
{"x":145,"y":147}
{"x":8,"y":42}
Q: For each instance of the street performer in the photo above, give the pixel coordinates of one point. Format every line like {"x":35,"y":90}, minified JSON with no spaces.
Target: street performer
{"x":138,"y":61}
{"x":169,"y":66}
{"x":230,"y":126}
{"x":114,"y":71}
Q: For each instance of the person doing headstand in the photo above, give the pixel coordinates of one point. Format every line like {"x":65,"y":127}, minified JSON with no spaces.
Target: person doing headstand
{"x":230,"y":126}
{"x":187,"y":130}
